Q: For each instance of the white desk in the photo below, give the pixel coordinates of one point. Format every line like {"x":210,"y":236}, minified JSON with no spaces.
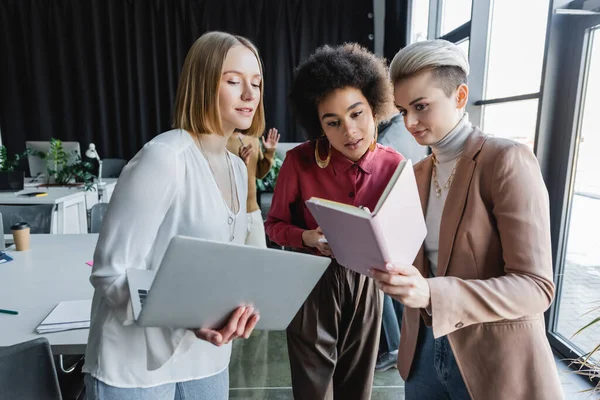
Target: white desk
{"x":105,"y":191}
{"x":69,"y":215}
{"x":53,"y":270}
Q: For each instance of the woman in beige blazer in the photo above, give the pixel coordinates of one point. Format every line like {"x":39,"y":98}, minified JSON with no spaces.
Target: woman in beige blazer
{"x":473,"y":324}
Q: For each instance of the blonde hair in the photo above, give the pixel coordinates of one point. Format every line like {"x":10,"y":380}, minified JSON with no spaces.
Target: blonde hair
{"x":446,"y":60}
{"x":197,"y":99}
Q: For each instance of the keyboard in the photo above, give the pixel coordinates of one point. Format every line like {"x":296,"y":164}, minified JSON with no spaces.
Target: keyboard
{"x":143,"y":294}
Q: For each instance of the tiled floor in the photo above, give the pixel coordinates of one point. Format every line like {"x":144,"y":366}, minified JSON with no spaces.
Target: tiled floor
{"x":259,"y":370}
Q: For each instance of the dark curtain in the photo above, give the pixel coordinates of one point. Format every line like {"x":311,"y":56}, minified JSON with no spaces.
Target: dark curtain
{"x":395,"y":28}
{"x":106,"y":71}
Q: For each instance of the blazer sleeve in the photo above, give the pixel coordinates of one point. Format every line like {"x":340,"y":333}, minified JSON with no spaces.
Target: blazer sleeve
{"x":521,"y":210}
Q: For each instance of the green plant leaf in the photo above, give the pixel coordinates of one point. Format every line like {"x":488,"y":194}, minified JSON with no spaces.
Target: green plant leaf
{"x":594,"y":321}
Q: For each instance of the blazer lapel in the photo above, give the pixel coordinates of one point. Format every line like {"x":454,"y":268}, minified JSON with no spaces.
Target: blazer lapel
{"x":457,"y":198}
{"x":423,"y":178}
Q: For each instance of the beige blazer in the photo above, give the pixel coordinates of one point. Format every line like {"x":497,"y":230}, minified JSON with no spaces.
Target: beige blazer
{"x":494,"y":274}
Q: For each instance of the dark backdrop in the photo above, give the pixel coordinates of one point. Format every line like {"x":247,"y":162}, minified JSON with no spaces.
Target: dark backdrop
{"x":106,"y":71}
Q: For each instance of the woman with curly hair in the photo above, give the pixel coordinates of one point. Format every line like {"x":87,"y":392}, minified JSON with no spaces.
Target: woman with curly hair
{"x":339,"y":95}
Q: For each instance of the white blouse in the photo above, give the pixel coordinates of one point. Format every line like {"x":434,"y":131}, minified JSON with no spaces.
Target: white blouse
{"x":167,"y":189}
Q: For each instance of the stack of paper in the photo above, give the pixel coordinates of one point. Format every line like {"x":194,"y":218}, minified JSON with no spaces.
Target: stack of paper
{"x":67,"y":315}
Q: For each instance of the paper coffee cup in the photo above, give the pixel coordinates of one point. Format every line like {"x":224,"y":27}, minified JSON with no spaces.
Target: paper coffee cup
{"x":20,"y":232}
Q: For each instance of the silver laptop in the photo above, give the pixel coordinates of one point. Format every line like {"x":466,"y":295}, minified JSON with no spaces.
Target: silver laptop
{"x":200,"y":283}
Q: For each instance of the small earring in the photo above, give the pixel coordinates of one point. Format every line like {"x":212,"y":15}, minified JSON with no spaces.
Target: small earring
{"x":322,"y":163}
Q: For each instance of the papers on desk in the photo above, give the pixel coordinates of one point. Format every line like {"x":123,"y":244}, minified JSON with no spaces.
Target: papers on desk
{"x":4,"y":258}
{"x":67,"y":315}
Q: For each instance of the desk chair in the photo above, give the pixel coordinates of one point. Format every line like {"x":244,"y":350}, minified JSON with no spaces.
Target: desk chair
{"x":96,"y":216}
{"x":2,"y":242}
{"x":27,"y":372}
{"x":112,"y":167}
{"x":264,"y":202}
{"x":38,"y":216}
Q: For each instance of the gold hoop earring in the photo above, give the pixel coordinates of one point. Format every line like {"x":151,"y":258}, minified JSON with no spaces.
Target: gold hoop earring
{"x":322,"y":163}
{"x":373,"y":144}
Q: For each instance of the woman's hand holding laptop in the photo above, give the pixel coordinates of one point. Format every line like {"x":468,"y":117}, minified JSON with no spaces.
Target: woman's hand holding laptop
{"x":241,"y":324}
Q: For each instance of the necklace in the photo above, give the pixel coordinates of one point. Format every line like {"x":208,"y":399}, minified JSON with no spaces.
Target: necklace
{"x":231,"y":220}
{"x":438,"y":189}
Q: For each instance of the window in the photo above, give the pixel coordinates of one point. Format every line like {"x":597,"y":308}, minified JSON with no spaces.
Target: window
{"x":419,"y":20}
{"x":464,"y":45}
{"x":511,"y":71}
{"x":437,"y":18}
{"x":516,"y":49}
{"x":454,"y":14}
{"x":504,"y":41}
{"x":579,"y":294}
{"x":515,"y":120}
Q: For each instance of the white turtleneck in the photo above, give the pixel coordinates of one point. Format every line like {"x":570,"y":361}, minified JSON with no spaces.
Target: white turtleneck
{"x":447,"y":152}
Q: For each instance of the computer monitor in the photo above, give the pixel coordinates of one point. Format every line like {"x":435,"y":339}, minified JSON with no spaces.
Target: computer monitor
{"x":38,"y":167}
{"x":283,"y":147}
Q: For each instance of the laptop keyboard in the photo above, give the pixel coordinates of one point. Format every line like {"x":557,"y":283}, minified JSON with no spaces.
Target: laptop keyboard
{"x":143,"y":294}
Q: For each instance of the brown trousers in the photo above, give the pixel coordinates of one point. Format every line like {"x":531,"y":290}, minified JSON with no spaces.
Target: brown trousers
{"x":334,"y":338}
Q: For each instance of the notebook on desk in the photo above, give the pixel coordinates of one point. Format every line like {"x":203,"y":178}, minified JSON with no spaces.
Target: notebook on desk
{"x":67,"y":315}
{"x":200,"y":283}
{"x":393,"y":232}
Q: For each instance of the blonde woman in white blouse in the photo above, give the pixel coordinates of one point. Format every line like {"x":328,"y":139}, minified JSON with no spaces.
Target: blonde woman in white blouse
{"x":183,"y":182}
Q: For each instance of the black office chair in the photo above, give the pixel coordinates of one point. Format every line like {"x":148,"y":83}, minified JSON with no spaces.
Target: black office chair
{"x":38,"y":216}
{"x":27,"y":372}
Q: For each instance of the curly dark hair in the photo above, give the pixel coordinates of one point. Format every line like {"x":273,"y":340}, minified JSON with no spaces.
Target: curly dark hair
{"x":336,"y":67}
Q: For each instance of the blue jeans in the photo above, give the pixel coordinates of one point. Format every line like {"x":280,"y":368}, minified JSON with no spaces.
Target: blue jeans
{"x":391,"y":323}
{"x":434,"y":374}
{"x":215,"y":387}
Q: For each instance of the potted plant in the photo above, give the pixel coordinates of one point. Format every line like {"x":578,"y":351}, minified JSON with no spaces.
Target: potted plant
{"x":66,"y":169}
{"x":589,"y":364}
{"x":11,"y":178}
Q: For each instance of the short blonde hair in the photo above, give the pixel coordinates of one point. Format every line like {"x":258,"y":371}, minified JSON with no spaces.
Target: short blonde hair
{"x":197,"y":100}
{"x":446,"y":60}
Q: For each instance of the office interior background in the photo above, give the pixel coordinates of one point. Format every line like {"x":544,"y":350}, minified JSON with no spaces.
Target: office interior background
{"x":106,"y":72}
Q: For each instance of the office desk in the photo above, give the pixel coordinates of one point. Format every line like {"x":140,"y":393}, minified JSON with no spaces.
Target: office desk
{"x":99,"y":194}
{"x":53,"y":270}
{"x":106,"y":190}
{"x":69,"y":215}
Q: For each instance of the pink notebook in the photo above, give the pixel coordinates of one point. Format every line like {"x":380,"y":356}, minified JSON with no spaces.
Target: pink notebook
{"x":393,"y":232}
